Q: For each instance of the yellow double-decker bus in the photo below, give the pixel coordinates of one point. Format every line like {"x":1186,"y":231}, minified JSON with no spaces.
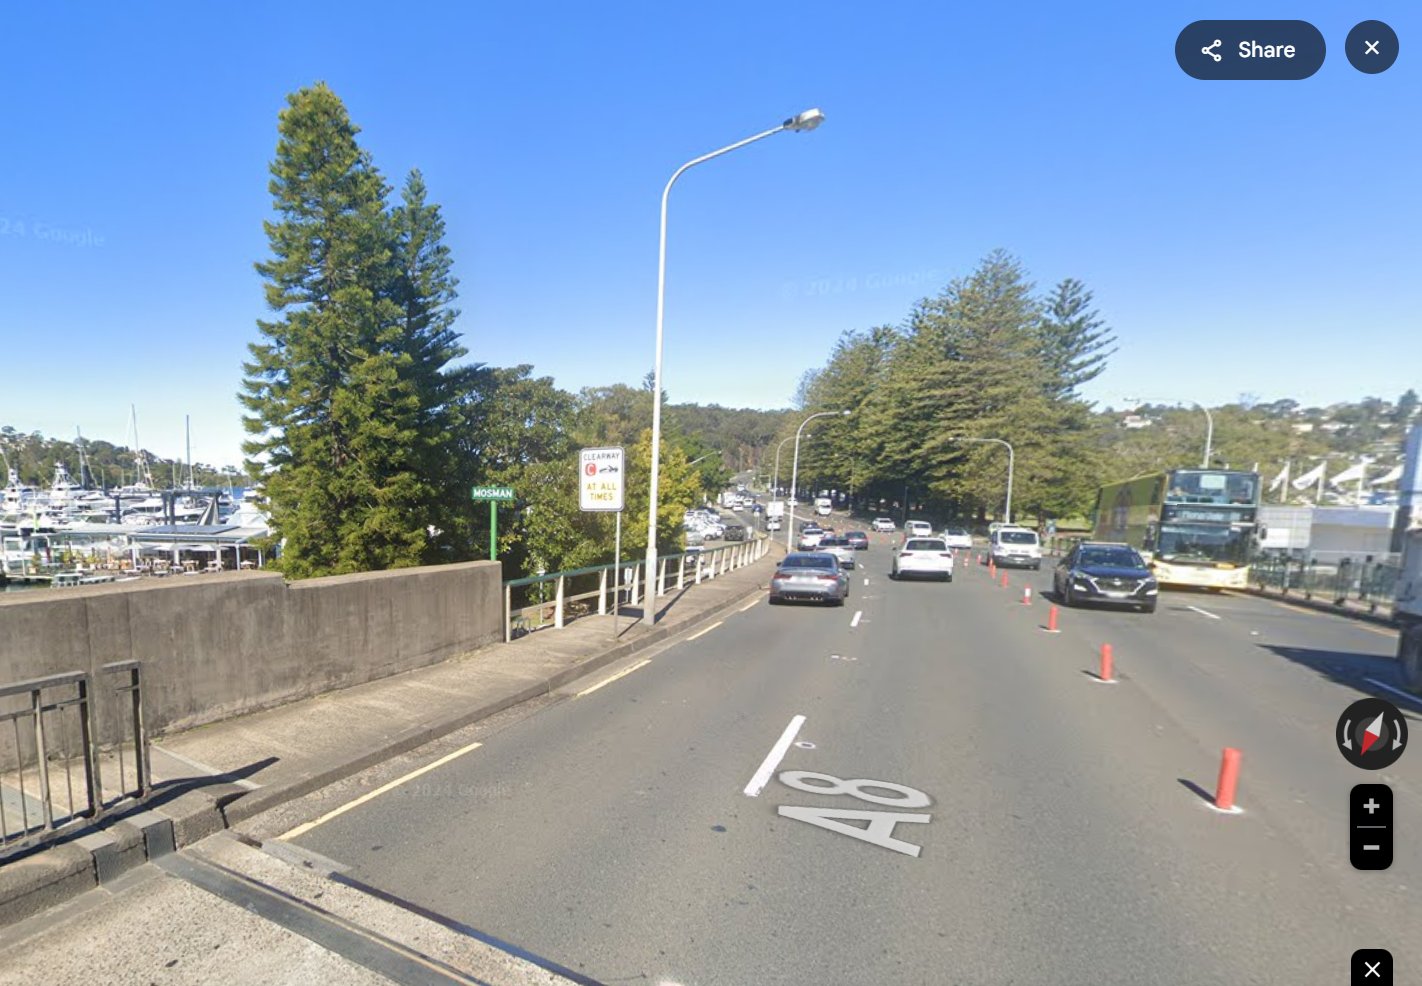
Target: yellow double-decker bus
{"x":1196,"y":527}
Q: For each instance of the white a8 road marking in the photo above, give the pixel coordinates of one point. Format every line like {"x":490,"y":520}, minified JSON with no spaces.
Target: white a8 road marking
{"x":880,"y":830}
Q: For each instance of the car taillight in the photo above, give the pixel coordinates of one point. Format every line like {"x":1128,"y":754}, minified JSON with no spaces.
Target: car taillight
{"x":829,"y":578}
{"x":942,"y":554}
{"x":905,"y":554}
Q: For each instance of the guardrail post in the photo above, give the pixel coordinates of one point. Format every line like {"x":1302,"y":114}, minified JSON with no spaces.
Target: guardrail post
{"x":602,"y":593}
{"x":140,"y":734}
{"x":699,"y":556}
{"x":558,"y":604}
{"x":87,"y":737}
{"x":662,"y":576}
{"x":681,"y":573}
{"x":508,"y":613}
{"x":42,"y":759}
{"x":636,"y":580}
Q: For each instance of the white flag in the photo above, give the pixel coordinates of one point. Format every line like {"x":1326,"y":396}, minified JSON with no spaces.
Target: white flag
{"x":1280,"y":479}
{"x":1310,"y":477}
{"x":1388,"y":479}
{"x":1350,"y":475}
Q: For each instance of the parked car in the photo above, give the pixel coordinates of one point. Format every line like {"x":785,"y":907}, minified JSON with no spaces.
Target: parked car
{"x":735,"y":532}
{"x":923,"y":556}
{"x":1015,"y":546}
{"x":1105,"y":572}
{"x":858,"y":540}
{"x":918,"y":529}
{"x":840,"y":548}
{"x":884,"y":525}
{"x":809,"y":575}
{"x":957,"y":537}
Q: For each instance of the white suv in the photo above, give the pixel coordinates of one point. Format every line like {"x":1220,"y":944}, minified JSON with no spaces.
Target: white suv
{"x":883,"y":525}
{"x":918,"y":529}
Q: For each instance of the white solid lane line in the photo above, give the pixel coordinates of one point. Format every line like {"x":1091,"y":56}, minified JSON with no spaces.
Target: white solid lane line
{"x":1396,"y":691}
{"x":750,"y":605}
{"x":607,"y":681}
{"x":773,"y":758}
{"x":858,"y":615}
{"x":305,"y":827}
{"x":699,"y":633}
{"x":1203,"y":612}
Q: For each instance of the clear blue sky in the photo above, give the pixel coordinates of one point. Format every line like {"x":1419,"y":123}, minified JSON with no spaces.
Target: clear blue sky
{"x":1239,"y":237}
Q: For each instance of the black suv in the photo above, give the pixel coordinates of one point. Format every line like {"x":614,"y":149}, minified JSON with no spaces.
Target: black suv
{"x":1105,"y":572}
{"x":734,"y":532}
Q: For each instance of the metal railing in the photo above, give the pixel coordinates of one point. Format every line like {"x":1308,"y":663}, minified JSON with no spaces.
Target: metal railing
{"x":1372,"y":585}
{"x":52,"y":751}
{"x":551,"y":600}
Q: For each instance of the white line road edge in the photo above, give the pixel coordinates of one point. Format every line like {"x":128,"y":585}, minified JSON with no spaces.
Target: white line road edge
{"x":702,"y":633}
{"x":751,"y":605}
{"x":607,"y":681}
{"x":858,"y":615}
{"x":1396,"y":691}
{"x":1203,"y":612}
{"x":305,"y":827}
{"x":773,"y":758}
{"x":212,"y":771}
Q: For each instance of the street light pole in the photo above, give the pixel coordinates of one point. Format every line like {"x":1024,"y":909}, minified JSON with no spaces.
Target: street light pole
{"x":775,"y":480}
{"x":795,"y":471}
{"x":1007,"y":513}
{"x":1209,"y":434}
{"x":1209,"y":426}
{"x":806,"y":121}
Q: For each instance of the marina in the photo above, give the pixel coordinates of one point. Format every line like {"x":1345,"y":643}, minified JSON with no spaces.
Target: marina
{"x":72,"y":533}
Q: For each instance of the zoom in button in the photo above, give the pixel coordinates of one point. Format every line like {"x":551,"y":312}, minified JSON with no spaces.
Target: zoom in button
{"x":1237,"y":50}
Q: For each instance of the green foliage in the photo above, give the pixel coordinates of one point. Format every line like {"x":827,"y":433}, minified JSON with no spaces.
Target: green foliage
{"x":347,"y":406}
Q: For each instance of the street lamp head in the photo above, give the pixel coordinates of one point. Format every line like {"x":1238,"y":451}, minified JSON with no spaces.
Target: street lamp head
{"x":805,"y":122}
{"x":846,"y":412}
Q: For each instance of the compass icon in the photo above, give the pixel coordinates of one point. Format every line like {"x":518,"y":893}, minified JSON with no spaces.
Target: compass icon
{"x":1371,"y":734}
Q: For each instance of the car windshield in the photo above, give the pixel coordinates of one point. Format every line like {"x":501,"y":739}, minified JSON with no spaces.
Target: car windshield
{"x":1017,"y":537}
{"x":810,"y":561}
{"x":925,"y":544}
{"x":957,"y":532}
{"x":1116,"y":557}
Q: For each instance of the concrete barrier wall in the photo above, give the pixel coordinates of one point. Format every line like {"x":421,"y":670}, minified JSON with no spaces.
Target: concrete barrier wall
{"x":214,"y":646}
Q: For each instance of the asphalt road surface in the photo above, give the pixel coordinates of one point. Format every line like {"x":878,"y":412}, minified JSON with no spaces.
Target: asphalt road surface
{"x":1052,"y":829}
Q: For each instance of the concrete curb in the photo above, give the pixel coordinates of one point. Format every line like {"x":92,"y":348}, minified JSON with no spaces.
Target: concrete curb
{"x":96,"y":855}
{"x":1323,"y":606}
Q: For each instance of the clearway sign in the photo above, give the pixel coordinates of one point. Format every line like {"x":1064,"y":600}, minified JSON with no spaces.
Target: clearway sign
{"x":601,"y":478}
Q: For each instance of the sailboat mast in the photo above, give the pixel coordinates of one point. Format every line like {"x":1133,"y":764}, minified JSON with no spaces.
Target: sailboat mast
{"x":188,"y":428}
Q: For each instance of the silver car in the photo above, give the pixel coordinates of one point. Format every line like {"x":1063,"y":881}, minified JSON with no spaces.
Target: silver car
{"x":809,"y":575}
{"x":840,"y":548}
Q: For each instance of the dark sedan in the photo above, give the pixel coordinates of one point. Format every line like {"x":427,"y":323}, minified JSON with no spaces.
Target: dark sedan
{"x":809,"y":575}
{"x":1103,"y":572}
{"x":858,"y":540}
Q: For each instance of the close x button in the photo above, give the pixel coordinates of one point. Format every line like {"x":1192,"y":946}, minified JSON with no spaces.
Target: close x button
{"x":1371,"y":967}
{"x":1370,"y":826}
{"x":1250,"y":50}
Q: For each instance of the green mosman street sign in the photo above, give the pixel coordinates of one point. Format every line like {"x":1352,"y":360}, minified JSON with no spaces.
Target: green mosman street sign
{"x":492,"y":494}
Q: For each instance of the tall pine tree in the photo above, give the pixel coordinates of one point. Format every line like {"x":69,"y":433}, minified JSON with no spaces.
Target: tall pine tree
{"x":342,"y":394}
